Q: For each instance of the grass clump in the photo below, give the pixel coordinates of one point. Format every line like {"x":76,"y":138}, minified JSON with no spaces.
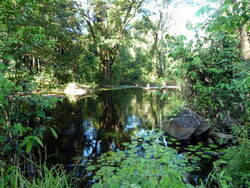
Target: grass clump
{"x":55,"y":177}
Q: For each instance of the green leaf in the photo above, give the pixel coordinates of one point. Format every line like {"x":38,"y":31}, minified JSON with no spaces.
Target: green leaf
{"x":125,"y":144}
{"x":96,"y":177}
{"x":197,"y":61}
{"x":38,"y":140}
{"x":213,"y":146}
{"x":41,"y":113}
{"x":91,"y":167}
{"x":248,"y":28}
{"x":220,"y":37}
{"x":7,"y":57}
{"x":54,"y":132}
{"x":182,"y":37}
{"x":173,"y":139}
{"x":214,"y":70}
{"x":14,"y":116}
{"x":2,"y":66}
{"x":191,"y":149}
{"x":19,"y":128}
{"x":242,"y":96}
{"x":29,"y":146}
{"x":19,"y":88}
{"x":203,"y":10}
{"x":199,"y":153}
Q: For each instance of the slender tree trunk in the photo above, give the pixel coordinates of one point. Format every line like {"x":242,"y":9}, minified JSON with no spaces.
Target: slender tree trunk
{"x":158,"y":52}
{"x":245,"y":45}
{"x":38,"y":65}
{"x":30,"y":65}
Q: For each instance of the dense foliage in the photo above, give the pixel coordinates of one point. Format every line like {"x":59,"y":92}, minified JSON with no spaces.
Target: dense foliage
{"x":232,"y":169}
{"x":218,"y":74}
{"x":99,"y":42}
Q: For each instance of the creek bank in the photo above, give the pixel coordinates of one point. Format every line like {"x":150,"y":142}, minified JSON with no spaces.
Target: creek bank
{"x":148,"y":86}
{"x":75,"y":90}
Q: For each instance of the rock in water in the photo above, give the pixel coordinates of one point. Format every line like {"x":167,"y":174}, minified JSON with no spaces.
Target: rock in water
{"x":185,"y":124}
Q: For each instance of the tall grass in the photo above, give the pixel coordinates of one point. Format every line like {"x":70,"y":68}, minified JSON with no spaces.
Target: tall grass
{"x":55,"y":177}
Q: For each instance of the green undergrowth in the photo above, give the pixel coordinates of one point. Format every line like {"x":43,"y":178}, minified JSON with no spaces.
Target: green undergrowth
{"x":233,"y":168}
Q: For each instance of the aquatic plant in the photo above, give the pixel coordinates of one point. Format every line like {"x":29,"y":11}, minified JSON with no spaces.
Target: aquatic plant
{"x":146,"y":162}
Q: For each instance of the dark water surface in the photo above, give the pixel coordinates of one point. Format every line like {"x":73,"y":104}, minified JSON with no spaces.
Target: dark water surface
{"x":93,"y":125}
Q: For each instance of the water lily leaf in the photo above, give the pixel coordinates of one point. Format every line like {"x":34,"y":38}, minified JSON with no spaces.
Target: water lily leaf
{"x":125,"y":144}
{"x":91,"y":167}
{"x":96,"y":177}
{"x":213,"y":146}
{"x":134,"y":142}
{"x":173,"y":139}
{"x":191,"y":149}
{"x":205,"y":156}
{"x":199,"y":152}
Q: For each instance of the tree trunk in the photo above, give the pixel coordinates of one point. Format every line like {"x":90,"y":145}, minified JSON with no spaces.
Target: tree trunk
{"x":107,"y":58}
{"x":245,"y":45}
{"x":106,"y":64}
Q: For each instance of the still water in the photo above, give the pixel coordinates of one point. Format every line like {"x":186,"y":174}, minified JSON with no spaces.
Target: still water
{"x":93,"y":125}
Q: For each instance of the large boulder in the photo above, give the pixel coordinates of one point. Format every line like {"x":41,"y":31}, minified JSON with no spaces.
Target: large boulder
{"x":186,"y":124}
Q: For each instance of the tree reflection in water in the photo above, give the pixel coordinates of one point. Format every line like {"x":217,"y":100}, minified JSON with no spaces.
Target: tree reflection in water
{"x":94,"y":125}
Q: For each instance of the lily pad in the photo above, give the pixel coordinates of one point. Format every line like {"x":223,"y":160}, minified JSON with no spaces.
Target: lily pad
{"x":91,"y":167}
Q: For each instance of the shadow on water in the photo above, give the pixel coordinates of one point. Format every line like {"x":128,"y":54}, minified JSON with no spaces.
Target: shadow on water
{"x":94,"y":125}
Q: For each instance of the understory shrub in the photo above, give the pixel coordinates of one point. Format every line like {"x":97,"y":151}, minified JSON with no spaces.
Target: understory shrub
{"x":233,"y":168}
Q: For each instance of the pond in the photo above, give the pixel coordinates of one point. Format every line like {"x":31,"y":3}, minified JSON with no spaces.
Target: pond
{"x":93,"y":125}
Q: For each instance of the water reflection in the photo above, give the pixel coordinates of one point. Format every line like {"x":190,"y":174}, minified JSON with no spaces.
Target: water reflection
{"x":90,"y":135}
{"x":91,"y":126}
{"x":133,"y":122}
